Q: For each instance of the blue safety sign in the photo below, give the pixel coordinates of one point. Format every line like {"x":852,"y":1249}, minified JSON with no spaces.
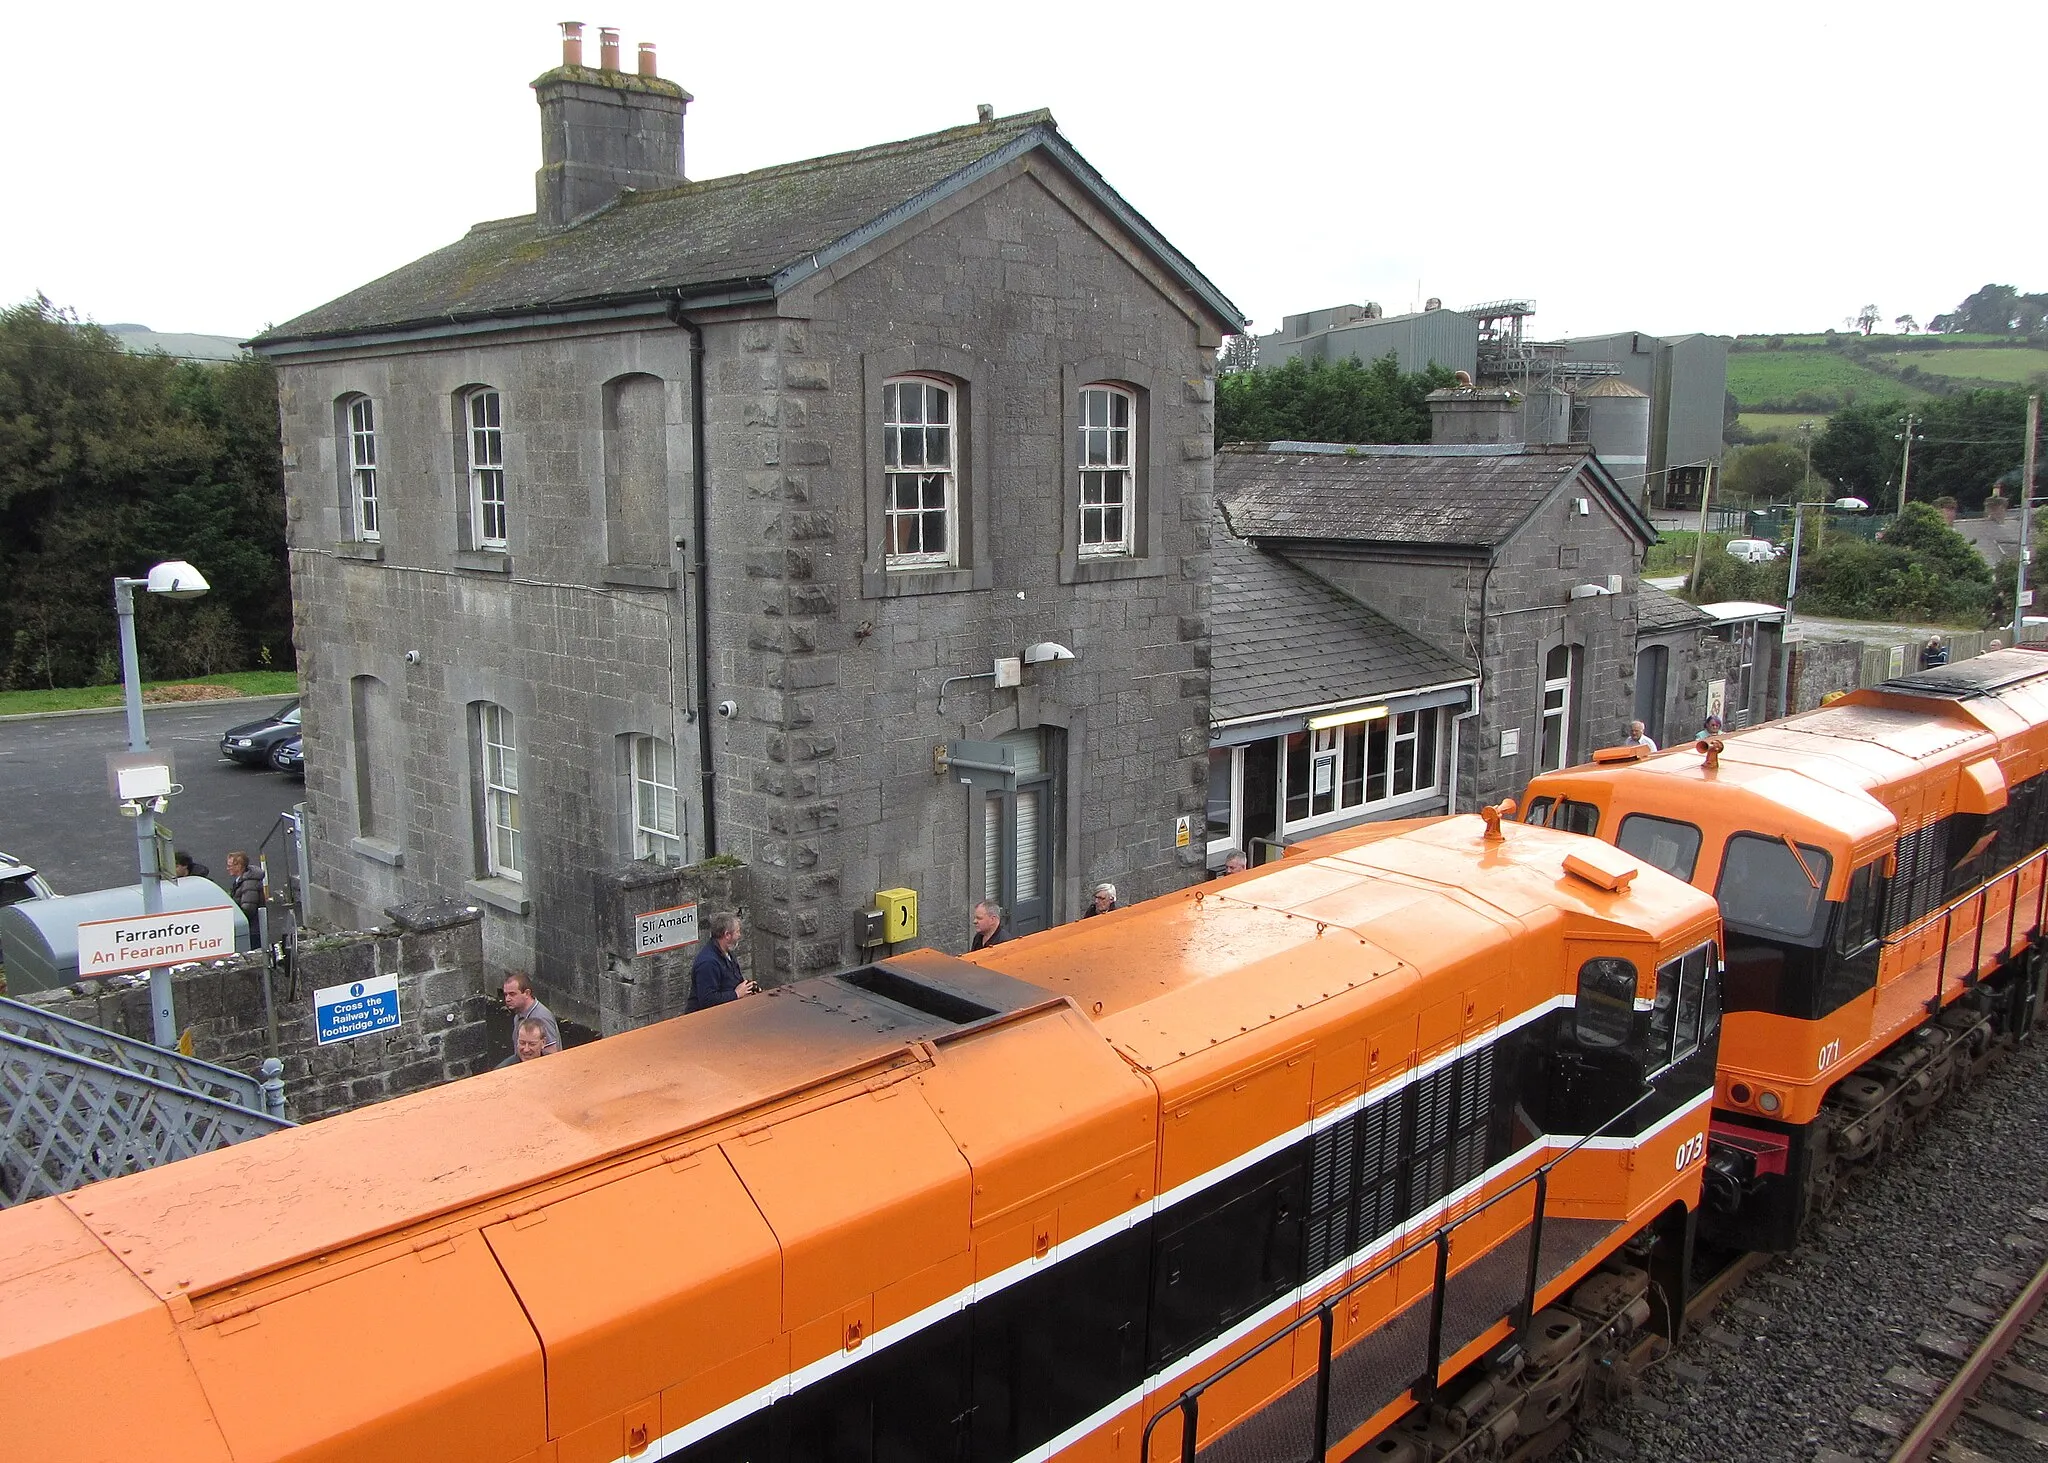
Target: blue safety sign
{"x":344,"y":1012}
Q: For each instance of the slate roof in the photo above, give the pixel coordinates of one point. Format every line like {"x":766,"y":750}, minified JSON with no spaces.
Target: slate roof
{"x":1471,"y":497}
{"x":1658,"y":613}
{"x":1281,"y":639}
{"x":758,"y":232}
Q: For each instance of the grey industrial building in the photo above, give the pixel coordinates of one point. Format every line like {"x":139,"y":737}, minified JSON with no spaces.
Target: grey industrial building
{"x":1571,"y":391}
{"x":850,"y":517}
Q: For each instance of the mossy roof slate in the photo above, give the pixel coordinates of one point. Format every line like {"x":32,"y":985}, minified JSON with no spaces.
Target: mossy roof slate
{"x":749,"y":231}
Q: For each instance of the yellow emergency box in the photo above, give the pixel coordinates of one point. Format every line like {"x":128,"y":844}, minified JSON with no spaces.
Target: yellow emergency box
{"x":899,"y":914}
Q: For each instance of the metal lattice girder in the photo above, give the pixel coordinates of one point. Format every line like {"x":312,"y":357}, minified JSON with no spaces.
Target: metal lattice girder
{"x":72,"y":1120}
{"x":48,"y":1029}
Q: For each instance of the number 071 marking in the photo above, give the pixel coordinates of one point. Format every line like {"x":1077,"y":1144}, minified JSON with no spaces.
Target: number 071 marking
{"x":1691,"y":1150}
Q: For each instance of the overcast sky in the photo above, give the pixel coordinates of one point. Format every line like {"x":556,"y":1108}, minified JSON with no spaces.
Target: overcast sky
{"x":1727,"y":167}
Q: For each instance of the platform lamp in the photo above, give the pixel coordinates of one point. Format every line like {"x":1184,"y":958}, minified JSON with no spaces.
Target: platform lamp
{"x":143,"y":783}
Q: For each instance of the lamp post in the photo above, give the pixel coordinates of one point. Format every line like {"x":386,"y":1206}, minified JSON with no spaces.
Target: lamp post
{"x":1845,"y":505}
{"x":174,"y":579}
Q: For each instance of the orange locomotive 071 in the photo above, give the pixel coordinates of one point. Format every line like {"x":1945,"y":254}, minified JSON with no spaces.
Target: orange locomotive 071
{"x":1266,"y":1162}
{"x":1879,"y":865}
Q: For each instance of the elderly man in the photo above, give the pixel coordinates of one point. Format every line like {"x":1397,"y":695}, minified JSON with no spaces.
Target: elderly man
{"x":988,"y":926}
{"x":1101,"y":902}
{"x":521,"y":1002}
{"x":531,"y":1042}
{"x":1639,"y":736}
{"x":715,"y":976}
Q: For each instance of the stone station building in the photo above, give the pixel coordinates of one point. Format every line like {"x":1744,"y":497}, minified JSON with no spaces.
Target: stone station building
{"x":849,"y":517}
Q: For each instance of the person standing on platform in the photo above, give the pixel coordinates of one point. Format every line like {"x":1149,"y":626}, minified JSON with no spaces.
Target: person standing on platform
{"x":988,"y":926}
{"x":715,"y":976}
{"x":524,"y":1006}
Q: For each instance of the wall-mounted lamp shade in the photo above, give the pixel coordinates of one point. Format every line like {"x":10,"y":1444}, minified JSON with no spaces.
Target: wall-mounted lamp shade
{"x":1046,"y":650}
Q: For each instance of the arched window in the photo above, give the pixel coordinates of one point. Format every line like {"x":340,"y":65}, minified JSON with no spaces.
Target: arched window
{"x":497,"y":792}
{"x":1107,"y":418}
{"x":484,"y":432}
{"x":374,"y":742}
{"x":361,"y":510}
{"x":921,"y":495}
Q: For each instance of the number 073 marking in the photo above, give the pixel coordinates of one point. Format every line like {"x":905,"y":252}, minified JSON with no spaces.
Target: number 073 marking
{"x":1691,"y":1150}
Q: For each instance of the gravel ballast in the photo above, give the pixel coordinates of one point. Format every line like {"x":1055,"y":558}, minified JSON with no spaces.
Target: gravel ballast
{"x":1777,"y":1373}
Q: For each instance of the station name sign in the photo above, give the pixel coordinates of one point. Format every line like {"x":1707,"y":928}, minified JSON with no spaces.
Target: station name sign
{"x":140,"y":941}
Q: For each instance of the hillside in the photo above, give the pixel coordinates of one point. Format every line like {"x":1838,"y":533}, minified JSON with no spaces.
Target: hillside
{"x":1779,"y":381}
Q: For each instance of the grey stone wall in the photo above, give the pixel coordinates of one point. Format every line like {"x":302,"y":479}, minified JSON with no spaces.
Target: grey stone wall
{"x":1017,"y":291}
{"x":636,"y":989}
{"x":453,"y":1022}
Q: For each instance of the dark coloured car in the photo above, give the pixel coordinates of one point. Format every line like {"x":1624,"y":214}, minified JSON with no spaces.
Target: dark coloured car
{"x":252,"y":742}
{"x":289,"y":757}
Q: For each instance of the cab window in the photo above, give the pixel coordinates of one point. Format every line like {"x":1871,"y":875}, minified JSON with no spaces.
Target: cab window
{"x":1606,"y":1010}
{"x":1861,"y":919}
{"x":1565,"y":814}
{"x":1672,"y":846}
{"x":1765,"y":888}
{"x":1687,"y":1009}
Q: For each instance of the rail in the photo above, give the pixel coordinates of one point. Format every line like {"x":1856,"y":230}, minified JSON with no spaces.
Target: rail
{"x":46,"y":1028}
{"x":1188,"y":1404}
{"x":1981,"y":895}
{"x":1920,"y":1444}
{"x":71,"y":1119}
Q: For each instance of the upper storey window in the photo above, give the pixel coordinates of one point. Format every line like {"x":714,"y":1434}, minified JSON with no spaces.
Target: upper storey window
{"x":484,"y":414}
{"x":918,"y":456}
{"x":362,"y":468}
{"x":1106,"y":416}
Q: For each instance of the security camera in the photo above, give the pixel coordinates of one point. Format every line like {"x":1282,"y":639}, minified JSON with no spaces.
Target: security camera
{"x":728,"y":708}
{"x":412,"y":657}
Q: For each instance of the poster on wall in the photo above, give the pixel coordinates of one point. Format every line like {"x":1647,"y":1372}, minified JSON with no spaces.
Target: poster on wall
{"x":1717,"y":699}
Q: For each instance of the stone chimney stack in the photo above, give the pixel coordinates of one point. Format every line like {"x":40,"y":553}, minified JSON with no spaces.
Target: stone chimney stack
{"x":1465,"y":413}
{"x":1995,"y":506}
{"x":604,"y":132}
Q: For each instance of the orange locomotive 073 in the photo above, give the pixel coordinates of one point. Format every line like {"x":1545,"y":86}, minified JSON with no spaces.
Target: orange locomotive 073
{"x":1416,"y":1116}
{"x":1879,"y":865}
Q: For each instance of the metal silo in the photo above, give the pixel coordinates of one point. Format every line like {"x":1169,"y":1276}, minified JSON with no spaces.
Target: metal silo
{"x":1618,"y":427}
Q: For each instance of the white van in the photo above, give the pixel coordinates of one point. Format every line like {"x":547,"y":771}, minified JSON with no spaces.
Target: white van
{"x":1753,"y":550}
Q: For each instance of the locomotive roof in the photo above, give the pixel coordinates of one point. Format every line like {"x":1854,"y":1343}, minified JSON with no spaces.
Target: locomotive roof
{"x":1175,"y":976}
{"x":1980,"y":675}
{"x":349,"y":1178}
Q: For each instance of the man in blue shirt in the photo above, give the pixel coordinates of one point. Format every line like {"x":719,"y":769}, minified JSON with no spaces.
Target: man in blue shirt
{"x":715,"y":975}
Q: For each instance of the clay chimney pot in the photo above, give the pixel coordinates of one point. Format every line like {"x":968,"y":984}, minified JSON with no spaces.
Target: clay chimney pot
{"x":572,"y":43}
{"x":608,"y":48}
{"x":647,"y":59}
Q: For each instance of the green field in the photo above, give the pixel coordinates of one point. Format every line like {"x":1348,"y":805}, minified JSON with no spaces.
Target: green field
{"x":2016,"y":365}
{"x":1758,"y":376}
{"x":1783,"y":424}
{"x":82,"y":698}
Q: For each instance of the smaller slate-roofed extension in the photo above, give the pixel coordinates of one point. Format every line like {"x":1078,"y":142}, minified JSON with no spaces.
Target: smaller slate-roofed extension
{"x":1470,"y":497}
{"x":747,"y":236}
{"x":1283,"y":640}
{"x":1658,"y":613}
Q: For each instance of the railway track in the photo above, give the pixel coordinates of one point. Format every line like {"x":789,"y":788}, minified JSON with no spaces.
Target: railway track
{"x":1993,"y":1405}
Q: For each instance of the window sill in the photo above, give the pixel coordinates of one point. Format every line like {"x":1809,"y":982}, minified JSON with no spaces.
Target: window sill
{"x":369,"y":552}
{"x":484,"y":561}
{"x":1098,"y":571}
{"x":640,"y":576}
{"x":893,"y":583}
{"x":508,"y":896}
{"x":380,"y":850}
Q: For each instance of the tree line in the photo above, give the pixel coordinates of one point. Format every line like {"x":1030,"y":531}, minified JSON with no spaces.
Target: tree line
{"x":111,"y":462}
{"x":1964,"y":446}
{"x":1326,"y":401}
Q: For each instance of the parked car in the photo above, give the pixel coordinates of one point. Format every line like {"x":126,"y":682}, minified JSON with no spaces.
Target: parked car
{"x":289,"y":757}
{"x":19,"y":882}
{"x":1754,"y":550}
{"x":252,"y":742}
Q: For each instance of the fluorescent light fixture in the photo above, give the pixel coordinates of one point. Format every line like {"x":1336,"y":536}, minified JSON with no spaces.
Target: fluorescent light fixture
{"x":1346,"y":718}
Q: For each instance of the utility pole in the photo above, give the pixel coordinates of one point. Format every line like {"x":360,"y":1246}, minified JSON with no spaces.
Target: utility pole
{"x":1805,"y":488}
{"x":2019,"y":597}
{"x":1699,"y":549}
{"x":1906,"y":458}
